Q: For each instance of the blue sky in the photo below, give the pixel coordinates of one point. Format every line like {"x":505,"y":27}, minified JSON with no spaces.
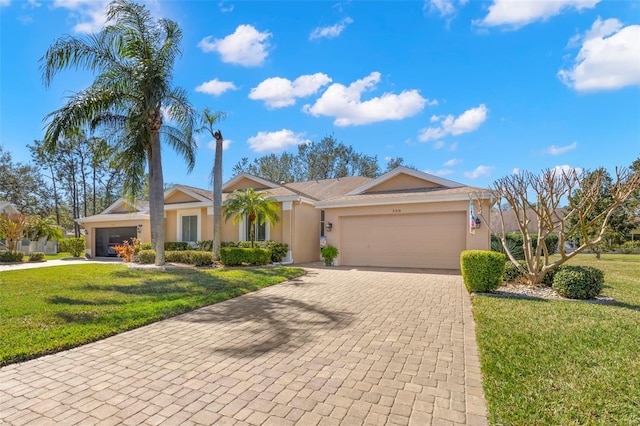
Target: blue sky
{"x":468,"y":90}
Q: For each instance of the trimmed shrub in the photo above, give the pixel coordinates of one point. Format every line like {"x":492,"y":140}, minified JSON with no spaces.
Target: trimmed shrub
{"x":278,"y":250}
{"x":200,"y":258}
{"x":145,"y":246}
{"x":147,"y":256}
{"x":578,"y":282}
{"x":36,"y":256}
{"x":511,"y":272}
{"x":232,"y":256}
{"x":482,"y":270}
{"x":189,"y":257}
{"x":11,"y":256}
{"x":75,"y":246}
{"x":176,"y":245}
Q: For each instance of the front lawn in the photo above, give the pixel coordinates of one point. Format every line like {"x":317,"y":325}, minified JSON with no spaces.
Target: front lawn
{"x":45,"y":310}
{"x":563,"y":362}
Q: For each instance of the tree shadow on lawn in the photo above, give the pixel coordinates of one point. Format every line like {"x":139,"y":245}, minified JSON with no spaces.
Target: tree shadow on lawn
{"x":268,"y":322}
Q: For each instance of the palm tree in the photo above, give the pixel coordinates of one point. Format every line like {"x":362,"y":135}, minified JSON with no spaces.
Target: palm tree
{"x":209,"y":118}
{"x":133,"y":57}
{"x":254,"y":205}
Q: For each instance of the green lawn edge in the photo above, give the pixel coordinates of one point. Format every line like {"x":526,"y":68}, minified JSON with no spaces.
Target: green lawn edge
{"x":48,"y":310}
{"x":564,"y":362}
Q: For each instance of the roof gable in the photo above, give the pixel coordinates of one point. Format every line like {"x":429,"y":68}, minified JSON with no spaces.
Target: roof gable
{"x":123,"y":206}
{"x":403,"y":179}
{"x":246,"y":181}
{"x":181,"y":194}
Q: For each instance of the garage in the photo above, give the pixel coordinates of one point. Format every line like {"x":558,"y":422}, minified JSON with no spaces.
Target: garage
{"x":423,"y":240}
{"x":108,"y":238}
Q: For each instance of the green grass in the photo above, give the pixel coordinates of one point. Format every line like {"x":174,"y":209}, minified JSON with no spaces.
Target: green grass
{"x":45,"y":310}
{"x":562,"y":362}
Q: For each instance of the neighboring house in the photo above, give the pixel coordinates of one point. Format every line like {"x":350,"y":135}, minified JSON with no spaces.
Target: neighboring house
{"x":403,"y":218}
{"x":8,"y":208}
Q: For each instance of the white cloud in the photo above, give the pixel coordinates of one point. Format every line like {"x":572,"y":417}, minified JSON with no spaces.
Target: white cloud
{"x":246,"y":46}
{"x":278,"y":92}
{"x":517,"y":14}
{"x":454,"y":146}
{"x":225,"y":144}
{"x":332,"y":31}
{"x":5,"y":3}
{"x":452,"y":162}
{"x":557,"y":150}
{"x":608,"y":59}
{"x":275,"y":141}
{"x":438,"y":144}
{"x":90,"y":14}
{"x":442,"y":7}
{"x":225,"y":8}
{"x":345,"y":104}
{"x":565,"y":168}
{"x":215,"y":87}
{"x":441,"y":172}
{"x":466,"y":122}
{"x":480,"y":171}
{"x":515,"y":171}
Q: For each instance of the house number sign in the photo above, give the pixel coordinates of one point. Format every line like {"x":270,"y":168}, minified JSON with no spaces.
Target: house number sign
{"x":396,"y":210}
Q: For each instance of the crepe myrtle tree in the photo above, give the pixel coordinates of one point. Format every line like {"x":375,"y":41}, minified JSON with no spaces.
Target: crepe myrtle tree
{"x":543,"y":194}
{"x":133,"y":58}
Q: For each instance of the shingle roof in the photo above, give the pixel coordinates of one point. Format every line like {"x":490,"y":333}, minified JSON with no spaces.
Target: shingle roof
{"x":325,"y":189}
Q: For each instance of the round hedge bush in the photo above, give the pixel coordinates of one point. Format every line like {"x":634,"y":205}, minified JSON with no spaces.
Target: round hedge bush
{"x":578,"y":282}
{"x":482,"y":270}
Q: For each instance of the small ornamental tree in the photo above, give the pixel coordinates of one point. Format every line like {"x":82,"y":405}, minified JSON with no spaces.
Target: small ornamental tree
{"x":13,"y":228}
{"x":542,"y":194}
{"x":252,"y":205}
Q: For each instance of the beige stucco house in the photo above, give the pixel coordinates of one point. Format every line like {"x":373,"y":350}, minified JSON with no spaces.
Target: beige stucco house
{"x":404,"y":218}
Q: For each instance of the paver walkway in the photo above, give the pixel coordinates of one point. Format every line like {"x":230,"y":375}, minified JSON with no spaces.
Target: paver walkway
{"x":337,"y":346}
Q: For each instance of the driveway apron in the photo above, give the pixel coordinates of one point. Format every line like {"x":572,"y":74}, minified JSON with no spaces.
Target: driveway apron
{"x":338,"y":346}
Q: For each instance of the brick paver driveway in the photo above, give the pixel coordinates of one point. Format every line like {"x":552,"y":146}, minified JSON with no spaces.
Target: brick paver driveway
{"x":337,"y":346}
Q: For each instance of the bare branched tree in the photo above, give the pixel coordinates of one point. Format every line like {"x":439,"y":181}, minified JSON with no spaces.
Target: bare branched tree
{"x":543,"y":194}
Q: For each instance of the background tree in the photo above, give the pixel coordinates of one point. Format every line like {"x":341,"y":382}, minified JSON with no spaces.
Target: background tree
{"x":547,"y":191}
{"x":620,"y":221}
{"x":327,"y":159}
{"x":23,"y":186}
{"x":396,"y":162}
{"x":252,"y":205}
{"x":208,"y":119}
{"x":134,"y":57}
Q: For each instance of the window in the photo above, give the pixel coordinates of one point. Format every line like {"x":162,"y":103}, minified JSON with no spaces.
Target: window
{"x":190,"y":228}
{"x":261,"y":230}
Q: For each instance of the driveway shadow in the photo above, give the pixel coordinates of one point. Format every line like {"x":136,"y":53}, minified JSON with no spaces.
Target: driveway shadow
{"x":268,"y":322}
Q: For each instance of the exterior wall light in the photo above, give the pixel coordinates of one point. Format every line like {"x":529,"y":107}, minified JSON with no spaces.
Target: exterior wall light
{"x":329,"y":226}
{"x":478,"y":223}
{"x":139,"y":229}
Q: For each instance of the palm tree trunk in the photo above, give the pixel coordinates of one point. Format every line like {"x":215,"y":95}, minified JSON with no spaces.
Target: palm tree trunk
{"x":156,"y":197}
{"x":217,"y":198}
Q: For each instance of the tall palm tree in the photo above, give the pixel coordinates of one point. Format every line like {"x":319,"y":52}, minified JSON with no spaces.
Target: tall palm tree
{"x":255,"y":206}
{"x":133,"y":57}
{"x":208,"y":119}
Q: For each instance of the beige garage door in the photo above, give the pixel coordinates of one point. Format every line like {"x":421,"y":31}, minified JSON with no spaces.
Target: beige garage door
{"x":430,"y":240}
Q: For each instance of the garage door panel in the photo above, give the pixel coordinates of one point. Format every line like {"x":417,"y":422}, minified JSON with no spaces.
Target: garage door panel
{"x":431,"y":240}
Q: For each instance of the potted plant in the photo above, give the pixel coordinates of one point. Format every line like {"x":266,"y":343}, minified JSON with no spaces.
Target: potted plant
{"x":328,"y":254}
